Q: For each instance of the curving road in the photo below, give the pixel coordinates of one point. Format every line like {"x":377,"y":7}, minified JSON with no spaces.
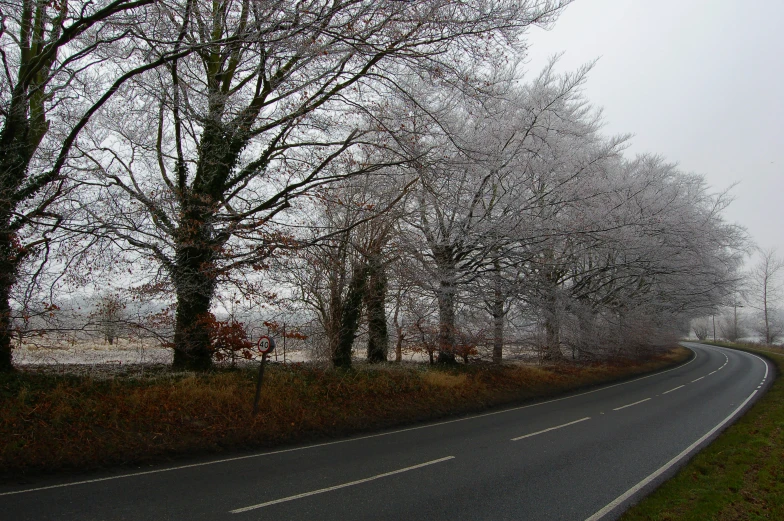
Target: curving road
{"x":580,"y":457}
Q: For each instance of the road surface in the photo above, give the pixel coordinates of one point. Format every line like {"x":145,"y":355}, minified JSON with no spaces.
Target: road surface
{"x":578,"y":457}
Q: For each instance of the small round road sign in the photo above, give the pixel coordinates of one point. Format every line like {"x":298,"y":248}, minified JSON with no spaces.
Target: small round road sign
{"x":266,"y":344}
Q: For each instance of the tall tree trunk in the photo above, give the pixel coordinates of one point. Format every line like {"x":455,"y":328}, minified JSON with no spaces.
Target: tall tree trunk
{"x":498,"y":316}
{"x":587,"y":334}
{"x":17,"y":141}
{"x":446,"y":323}
{"x":195,"y":282}
{"x":399,"y":333}
{"x":11,"y":254}
{"x":552,"y":327}
{"x":375,"y":303}
{"x":445,"y":295}
{"x":349,"y":320}
{"x":498,"y":332}
{"x":552,"y":339}
{"x":587,"y":322}
{"x":6,"y":332}
{"x":332,"y":321}
{"x":192,"y":349}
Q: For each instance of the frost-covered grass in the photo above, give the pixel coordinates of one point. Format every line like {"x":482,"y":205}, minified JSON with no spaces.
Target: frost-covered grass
{"x":738,"y":476}
{"x":50,"y":421}
{"x":97,"y":359}
{"x":138,"y":357}
{"x":58,"y":352}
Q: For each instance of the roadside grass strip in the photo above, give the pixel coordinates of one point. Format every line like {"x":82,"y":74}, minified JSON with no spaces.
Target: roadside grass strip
{"x":738,"y":476}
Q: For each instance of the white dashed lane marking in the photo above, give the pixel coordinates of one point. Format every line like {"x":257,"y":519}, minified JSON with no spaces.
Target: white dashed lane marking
{"x":630,"y":404}
{"x":551,"y":428}
{"x":337,"y":487}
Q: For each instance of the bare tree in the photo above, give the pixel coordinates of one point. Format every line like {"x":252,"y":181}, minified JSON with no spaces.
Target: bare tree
{"x":344,"y":270}
{"x":766,"y":283}
{"x":477,"y":161}
{"x":110,"y":313}
{"x":60,"y":67}
{"x":268,"y":109}
{"x":701,"y":328}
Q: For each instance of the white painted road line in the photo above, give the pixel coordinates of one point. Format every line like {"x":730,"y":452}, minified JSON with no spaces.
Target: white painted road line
{"x":551,"y":428}
{"x":636,"y":488}
{"x":629,"y":493}
{"x":674,"y":389}
{"x":630,"y":404}
{"x":698,"y":379}
{"x":336,"y":487}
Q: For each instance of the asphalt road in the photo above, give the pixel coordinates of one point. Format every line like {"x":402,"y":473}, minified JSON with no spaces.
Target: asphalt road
{"x":579,"y":457}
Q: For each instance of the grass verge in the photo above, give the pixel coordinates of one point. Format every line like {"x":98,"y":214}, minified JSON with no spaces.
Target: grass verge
{"x":738,"y":476}
{"x":50,"y":422}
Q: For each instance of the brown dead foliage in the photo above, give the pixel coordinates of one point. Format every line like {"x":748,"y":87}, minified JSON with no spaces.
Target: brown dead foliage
{"x":52,"y":422}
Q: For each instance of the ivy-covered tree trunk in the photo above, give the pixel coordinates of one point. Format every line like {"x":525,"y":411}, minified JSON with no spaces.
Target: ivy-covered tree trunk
{"x":195,"y":282}
{"x":18,"y":139}
{"x":375,"y":303}
{"x":6,"y":333}
{"x":192,"y":350}
{"x":349,"y":320}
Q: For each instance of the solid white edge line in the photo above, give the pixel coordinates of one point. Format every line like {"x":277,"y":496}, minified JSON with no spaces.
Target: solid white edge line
{"x":551,"y":428}
{"x":348,"y":440}
{"x":630,"y":404}
{"x":674,"y":389}
{"x":336,"y":487}
{"x":698,"y":379}
{"x":629,"y":493}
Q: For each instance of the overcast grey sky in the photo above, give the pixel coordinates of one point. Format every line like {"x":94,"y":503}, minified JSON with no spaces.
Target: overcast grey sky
{"x":700,"y":82}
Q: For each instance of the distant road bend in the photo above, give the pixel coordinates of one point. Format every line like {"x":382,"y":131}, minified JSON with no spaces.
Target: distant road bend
{"x":580,"y":457}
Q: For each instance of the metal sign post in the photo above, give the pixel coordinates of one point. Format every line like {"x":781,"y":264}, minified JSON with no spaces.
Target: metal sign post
{"x":265,"y":345}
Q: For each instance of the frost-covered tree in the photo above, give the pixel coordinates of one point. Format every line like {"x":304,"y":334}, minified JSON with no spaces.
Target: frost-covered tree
{"x":766,"y":284}
{"x":61,"y":64}
{"x":270,"y":106}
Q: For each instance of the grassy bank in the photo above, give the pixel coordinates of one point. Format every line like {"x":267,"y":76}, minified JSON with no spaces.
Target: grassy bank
{"x":50,"y":422}
{"x":738,"y":476}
